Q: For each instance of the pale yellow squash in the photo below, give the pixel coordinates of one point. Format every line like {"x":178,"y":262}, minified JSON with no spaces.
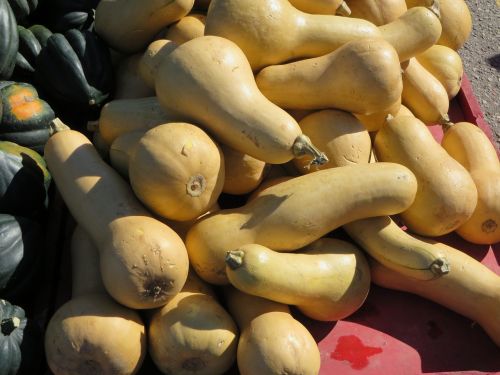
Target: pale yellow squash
{"x":363,"y":76}
{"x":446,"y":196}
{"x":272,"y":32}
{"x":375,"y":121}
{"x":152,"y":58}
{"x":379,"y":12}
{"x":294,"y":213}
{"x":271,"y":341}
{"x":121,"y":150}
{"x":468,"y":144}
{"x":177,"y":171}
{"x":128,"y":83}
{"x":188,"y":27}
{"x":322,"y":6}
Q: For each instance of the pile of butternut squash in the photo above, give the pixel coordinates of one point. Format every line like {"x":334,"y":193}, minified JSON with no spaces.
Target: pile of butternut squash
{"x":241,"y":135}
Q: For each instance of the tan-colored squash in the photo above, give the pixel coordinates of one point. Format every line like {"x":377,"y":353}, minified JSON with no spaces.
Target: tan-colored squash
{"x":333,"y":282}
{"x":142,"y":261}
{"x":292,"y":214}
{"x":379,"y":12}
{"x":91,"y":333}
{"x":363,"y":76}
{"x":340,"y":135}
{"x":470,"y":288}
{"x":271,"y":340}
{"x":375,"y":121}
{"x":423,"y":94}
{"x":152,"y":58}
{"x":455,"y":19}
{"x":446,"y":196}
{"x":243,"y":173}
{"x":121,"y":150}
{"x":182,"y":227}
{"x":188,"y":27}
{"x":467,"y":143}
{"x":129,"y":25}
{"x":222,"y":97}
{"x":272,"y":32}
{"x":177,"y":171}
{"x":322,"y":6}
{"x":446,"y":65}
{"x":414,"y":31}
{"x":193,"y":333}
{"x":123,"y":116}
{"x":397,"y":250}
{"x":128,"y":83}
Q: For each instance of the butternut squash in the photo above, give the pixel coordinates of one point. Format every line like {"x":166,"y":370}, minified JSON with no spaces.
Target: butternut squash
{"x":223,"y":98}
{"x":333,"y":282}
{"x":129,"y":84}
{"x":142,"y":261}
{"x":446,"y":65}
{"x":188,"y":27}
{"x":101,"y":146}
{"x":414,"y":31}
{"x":271,"y":340}
{"x":397,"y":250}
{"x":193,"y":333}
{"x":292,"y":214}
{"x":446,"y":195}
{"x":375,"y":121}
{"x":128,"y":25}
{"x":423,"y":94}
{"x":243,"y":173}
{"x":340,"y":135}
{"x":121,"y":150}
{"x":467,"y":143}
{"x":177,"y":171}
{"x":379,"y":12}
{"x":470,"y":288}
{"x":152,"y":58}
{"x":362,"y":76}
{"x":271,"y":32}
{"x":456,"y":21}
{"x":91,"y":333}
{"x":122,"y":116}
{"x":322,"y":6}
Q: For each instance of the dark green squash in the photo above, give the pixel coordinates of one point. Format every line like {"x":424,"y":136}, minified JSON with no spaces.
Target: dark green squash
{"x":29,"y":48}
{"x":75,"y":68}
{"x":26,"y":118}
{"x":23,"y":8}
{"x":20,"y":341}
{"x":9,"y":40}
{"x":19,"y":253}
{"x":24,"y":181}
{"x":77,"y":19}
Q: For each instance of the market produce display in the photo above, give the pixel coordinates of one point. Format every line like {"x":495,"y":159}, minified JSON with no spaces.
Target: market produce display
{"x":236,"y":169}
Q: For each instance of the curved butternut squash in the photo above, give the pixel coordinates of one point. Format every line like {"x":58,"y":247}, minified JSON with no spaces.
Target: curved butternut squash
{"x":467,"y":143}
{"x":142,"y":261}
{"x":121,"y":150}
{"x":271,"y":340}
{"x":188,"y":27}
{"x":362,"y":76}
{"x":379,"y":12}
{"x":333,"y":282}
{"x":423,"y":94}
{"x":294,"y":213}
{"x":446,"y":195}
{"x":456,"y":21}
{"x":470,"y":288}
{"x":193,"y":333}
{"x":122,"y":116}
{"x":340,"y":135}
{"x":91,"y":333}
{"x":446,"y":65}
{"x":271,"y":32}
{"x":129,"y":84}
{"x":222,"y":97}
{"x":177,"y":171}
{"x":243,"y":173}
{"x":322,"y":6}
{"x":128,"y":25}
{"x":414,"y":31}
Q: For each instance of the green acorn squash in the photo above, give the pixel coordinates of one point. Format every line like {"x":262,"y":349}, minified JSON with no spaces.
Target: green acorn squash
{"x":24,"y":181}
{"x":19,"y":252}
{"x":23,"y":8}
{"x":20,"y":341}
{"x":9,"y":40}
{"x":29,"y":48}
{"x":75,"y":68}
{"x":26,"y":118}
